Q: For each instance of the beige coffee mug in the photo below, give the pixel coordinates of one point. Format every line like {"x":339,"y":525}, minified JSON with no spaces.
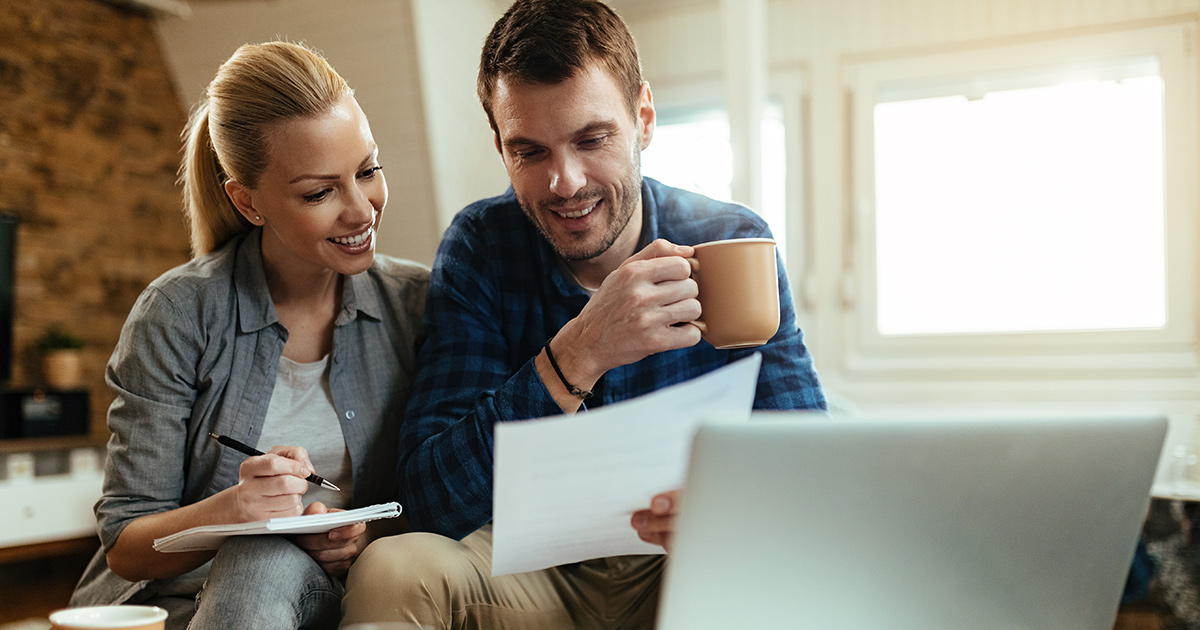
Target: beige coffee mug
{"x":124,"y":617}
{"x":739,"y":292}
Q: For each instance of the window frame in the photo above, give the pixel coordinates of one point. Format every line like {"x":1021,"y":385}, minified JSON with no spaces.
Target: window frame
{"x":679,"y":99}
{"x":1166,"y":352}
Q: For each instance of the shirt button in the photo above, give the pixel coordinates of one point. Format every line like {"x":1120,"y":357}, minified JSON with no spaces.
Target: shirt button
{"x":350,"y":415}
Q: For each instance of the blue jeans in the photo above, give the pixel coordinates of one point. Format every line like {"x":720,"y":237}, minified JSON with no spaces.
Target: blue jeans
{"x":261,"y":582}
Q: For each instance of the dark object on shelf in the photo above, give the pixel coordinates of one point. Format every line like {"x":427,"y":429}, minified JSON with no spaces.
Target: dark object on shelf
{"x":43,"y":412}
{"x":1171,"y":534}
{"x":1137,"y":585}
{"x":8,"y":256}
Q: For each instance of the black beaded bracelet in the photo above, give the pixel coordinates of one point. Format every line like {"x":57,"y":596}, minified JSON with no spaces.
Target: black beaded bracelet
{"x":582,"y":394}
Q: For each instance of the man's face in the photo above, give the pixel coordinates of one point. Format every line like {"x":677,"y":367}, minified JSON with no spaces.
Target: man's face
{"x":573,"y":154}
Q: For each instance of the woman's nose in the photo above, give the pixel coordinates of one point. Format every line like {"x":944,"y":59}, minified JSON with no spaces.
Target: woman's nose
{"x":362,"y":207}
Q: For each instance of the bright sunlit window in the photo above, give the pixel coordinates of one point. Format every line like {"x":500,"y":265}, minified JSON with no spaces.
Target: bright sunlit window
{"x":1022,"y":210}
{"x":694,"y":152}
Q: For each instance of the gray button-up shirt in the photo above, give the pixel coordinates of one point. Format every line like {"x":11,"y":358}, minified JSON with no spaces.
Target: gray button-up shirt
{"x":199,"y":353}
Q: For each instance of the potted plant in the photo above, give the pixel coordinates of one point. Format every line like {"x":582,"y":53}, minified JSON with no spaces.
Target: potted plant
{"x":62,"y":354}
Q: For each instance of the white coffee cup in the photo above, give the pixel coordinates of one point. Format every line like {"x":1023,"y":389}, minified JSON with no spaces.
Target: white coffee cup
{"x":122,"y":616}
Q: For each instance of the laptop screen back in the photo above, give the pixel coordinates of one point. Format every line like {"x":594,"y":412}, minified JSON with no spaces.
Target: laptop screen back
{"x":800,"y":521}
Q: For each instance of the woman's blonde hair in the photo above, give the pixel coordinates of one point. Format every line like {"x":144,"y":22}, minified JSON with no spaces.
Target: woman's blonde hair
{"x":228,"y":132}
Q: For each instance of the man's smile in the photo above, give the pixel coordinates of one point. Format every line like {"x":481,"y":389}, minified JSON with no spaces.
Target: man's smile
{"x":576,"y":214}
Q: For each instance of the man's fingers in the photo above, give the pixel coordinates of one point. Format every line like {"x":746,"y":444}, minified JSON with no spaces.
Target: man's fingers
{"x":646,"y":523}
{"x":660,"y":538}
{"x":658,"y":270}
{"x":664,"y":504}
{"x":662,"y":247}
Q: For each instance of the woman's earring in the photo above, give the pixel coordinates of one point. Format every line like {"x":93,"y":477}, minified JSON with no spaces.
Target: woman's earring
{"x":257,"y":218}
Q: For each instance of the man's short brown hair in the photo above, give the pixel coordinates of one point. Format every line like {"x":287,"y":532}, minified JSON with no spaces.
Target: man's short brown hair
{"x":549,"y":41}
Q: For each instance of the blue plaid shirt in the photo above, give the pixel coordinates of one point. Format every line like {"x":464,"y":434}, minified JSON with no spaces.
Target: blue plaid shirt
{"x":495,"y":296}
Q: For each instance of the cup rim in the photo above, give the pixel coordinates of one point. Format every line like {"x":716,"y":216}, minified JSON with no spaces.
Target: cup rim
{"x":150,"y":614}
{"x":736,"y":240}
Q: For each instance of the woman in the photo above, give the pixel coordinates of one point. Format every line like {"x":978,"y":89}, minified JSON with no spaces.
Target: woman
{"x":284,"y":329}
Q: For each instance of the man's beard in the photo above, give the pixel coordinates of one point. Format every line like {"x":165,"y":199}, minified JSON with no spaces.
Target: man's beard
{"x":619,"y":216}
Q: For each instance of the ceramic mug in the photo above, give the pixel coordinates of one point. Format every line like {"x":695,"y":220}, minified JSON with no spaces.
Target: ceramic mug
{"x":124,"y":617}
{"x":739,"y":291}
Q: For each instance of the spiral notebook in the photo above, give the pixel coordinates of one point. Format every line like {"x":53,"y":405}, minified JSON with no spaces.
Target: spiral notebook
{"x":211,"y":536}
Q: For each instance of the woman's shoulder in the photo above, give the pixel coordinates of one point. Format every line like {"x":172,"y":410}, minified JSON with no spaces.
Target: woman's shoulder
{"x":203,"y":280}
{"x":400,"y":284}
{"x":399,"y":272}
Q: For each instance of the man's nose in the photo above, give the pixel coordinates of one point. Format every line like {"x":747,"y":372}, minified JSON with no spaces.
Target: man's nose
{"x":566,"y":177}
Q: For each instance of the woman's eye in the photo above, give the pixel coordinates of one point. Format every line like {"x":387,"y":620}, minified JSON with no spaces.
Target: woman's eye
{"x":370,"y":172}
{"x":317,"y":196}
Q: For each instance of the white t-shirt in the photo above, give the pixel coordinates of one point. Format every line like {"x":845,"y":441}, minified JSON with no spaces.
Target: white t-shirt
{"x":301,"y":413}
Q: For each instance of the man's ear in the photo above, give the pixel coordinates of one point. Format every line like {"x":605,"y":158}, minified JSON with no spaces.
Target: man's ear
{"x":646,"y":116}
{"x":243,"y":200}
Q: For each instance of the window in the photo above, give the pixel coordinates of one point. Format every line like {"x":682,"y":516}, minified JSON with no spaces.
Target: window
{"x":692,"y":150}
{"x":1027,"y":209}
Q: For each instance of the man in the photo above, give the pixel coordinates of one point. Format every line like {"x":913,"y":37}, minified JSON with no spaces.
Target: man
{"x":570,"y":290}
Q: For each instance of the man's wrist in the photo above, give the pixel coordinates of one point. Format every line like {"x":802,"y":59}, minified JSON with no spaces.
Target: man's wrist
{"x":574,"y":390}
{"x":576,"y":357}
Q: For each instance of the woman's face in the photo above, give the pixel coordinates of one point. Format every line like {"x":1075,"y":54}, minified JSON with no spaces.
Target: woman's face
{"x":321,"y":196}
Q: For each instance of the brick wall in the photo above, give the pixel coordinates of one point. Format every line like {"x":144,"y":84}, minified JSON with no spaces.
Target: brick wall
{"x":89,"y":146}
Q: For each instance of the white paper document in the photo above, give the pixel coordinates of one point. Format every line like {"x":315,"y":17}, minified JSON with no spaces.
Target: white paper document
{"x":211,"y":536}
{"x":566,"y":487}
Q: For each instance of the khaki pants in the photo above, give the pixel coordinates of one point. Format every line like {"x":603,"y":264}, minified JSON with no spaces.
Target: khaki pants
{"x":442,"y":583}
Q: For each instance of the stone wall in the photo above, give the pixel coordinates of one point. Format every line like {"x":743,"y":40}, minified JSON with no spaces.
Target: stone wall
{"x":89,"y":146}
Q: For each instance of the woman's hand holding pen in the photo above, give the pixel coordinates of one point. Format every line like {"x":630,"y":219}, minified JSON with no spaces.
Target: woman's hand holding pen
{"x":334,"y":550}
{"x":271,"y":485}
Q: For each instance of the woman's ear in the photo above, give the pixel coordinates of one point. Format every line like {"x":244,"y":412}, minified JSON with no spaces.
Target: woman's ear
{"x":243,"y":200}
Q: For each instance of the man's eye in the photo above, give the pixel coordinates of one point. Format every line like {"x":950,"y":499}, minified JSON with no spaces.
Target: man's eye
{"x":592,"y":142}
{"x":529,"y":155}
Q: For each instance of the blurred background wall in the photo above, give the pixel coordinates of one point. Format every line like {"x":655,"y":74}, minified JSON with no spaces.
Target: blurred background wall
{"x":95,"y":94}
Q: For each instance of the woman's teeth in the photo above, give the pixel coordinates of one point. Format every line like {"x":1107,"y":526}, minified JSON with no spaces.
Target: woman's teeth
{"x":354,"y":241}
{"x":580,"y":213}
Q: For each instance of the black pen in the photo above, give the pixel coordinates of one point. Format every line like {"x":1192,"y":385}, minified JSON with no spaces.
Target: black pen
{"x":236,"y":445}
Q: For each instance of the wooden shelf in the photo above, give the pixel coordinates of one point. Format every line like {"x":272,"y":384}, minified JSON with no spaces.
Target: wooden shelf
{"x":62,"y":442}
{"x":85,"y":544}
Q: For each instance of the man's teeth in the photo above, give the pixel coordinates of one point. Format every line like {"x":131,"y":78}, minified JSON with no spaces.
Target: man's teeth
{"x":354,"y":240}
{"x":581,"y":213}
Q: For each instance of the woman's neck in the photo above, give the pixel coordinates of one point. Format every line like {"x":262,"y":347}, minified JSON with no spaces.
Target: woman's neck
{"x":307,"y":300}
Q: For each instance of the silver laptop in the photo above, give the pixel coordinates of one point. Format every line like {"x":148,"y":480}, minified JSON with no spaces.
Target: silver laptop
{"x":802,"y":521}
